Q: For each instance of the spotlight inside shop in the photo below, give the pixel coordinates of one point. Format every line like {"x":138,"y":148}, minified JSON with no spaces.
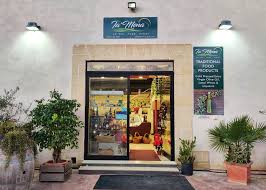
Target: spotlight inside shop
{"x":225,"y":25}
{"x":132,"y":6}
{"x":33,"y":26}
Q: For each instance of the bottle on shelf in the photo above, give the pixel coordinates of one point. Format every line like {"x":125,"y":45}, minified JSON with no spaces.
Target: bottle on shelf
{"x":209,"y":103}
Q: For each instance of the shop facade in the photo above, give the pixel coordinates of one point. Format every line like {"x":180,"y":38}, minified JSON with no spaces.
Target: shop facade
{"x":157,"y":63}
{"x":73,"y":34}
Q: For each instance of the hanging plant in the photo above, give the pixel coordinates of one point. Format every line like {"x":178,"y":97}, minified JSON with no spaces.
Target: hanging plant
{"x":156,"y":87}
{"x":15,"y":136}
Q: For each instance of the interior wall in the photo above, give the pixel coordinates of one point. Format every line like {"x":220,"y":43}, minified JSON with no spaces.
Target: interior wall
{"x":180,"y":54}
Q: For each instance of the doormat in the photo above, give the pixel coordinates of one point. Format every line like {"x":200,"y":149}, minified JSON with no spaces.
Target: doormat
{"x":140,"y":182}
{"x":147,"y":155}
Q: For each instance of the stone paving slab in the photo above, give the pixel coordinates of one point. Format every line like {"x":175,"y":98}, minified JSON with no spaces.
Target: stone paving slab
{"x":200,"y":181}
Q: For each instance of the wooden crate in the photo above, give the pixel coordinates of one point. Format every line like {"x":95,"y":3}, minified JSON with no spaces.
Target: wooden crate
{"x":55,"y":172}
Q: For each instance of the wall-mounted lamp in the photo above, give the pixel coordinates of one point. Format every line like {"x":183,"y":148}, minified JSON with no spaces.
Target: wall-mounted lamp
{"x":225,"y":25}
{"x":132,"y":6}
{"x":33,"y":26}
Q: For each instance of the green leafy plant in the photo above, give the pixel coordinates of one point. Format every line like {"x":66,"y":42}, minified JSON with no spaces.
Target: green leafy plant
{"x":56,"y":124}
{"x":16,"y":140}
{"x":15,"y":136}
{"x":156,"y":87}
{"x":236,"y":138}
{"x":10,"y":109}
{"x":186,"y":151}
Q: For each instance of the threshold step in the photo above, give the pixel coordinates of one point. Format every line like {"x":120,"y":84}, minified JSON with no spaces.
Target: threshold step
{"x":128,"y":170}
{"x":129,"y":163}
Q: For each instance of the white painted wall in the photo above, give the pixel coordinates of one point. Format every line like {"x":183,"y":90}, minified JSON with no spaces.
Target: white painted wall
{"x":41,"y":61}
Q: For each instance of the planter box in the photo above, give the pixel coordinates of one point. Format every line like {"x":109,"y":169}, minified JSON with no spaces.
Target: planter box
{"x":238,"y":172}
{"x":55,"y":172}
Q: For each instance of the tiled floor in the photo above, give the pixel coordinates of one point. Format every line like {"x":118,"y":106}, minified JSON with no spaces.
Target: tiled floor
{"x":200,"y":181}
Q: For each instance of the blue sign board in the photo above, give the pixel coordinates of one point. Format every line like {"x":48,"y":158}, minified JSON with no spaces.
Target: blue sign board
{"x":129,"y":27}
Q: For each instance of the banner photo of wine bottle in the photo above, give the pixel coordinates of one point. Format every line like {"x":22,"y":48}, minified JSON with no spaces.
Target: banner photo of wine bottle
{"x":208,"y":80}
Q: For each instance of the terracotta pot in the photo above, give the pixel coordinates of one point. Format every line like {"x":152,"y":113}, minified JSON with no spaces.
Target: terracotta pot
{"x":238,"y":172}
{"x":13,"y":177}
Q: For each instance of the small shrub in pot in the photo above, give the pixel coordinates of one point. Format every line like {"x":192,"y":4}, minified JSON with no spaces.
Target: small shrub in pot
{"x":56,"y":126}
{"x":236,"y":139}
{"x":186,"y":157}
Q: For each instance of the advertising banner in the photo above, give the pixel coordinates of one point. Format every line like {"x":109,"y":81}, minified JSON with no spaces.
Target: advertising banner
{"x":208,"y":80}
{"x":129,"y":27}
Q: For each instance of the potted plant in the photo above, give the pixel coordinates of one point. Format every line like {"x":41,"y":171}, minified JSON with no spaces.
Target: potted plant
{"x":236,"y":139}
{"x":186,"y":157}
{"x":56,"y":127}
{"x":17,"y":148}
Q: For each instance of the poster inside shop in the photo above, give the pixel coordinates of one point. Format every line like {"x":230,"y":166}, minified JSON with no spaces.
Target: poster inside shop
{"x":208,"y":80}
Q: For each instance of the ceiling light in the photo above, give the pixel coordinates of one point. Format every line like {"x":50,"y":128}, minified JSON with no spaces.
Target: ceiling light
{"x":225,"y":25}
{"x":132,"y":5}
{"x":33,"y":26}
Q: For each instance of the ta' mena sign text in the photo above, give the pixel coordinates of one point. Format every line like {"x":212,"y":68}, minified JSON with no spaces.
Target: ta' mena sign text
{"x":129,"y":27}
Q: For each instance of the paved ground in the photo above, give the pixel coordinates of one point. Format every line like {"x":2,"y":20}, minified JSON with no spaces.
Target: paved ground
{"x":200,"y":181}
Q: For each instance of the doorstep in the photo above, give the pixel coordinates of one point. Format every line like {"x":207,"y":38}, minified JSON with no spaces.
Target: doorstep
{"x":128,"y":167}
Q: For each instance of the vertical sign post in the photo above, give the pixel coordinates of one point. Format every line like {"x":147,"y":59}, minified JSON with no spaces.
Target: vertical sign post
{"x":208,"y":81}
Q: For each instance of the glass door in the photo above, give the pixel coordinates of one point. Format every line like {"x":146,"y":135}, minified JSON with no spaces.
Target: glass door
{"x":107,"y":117}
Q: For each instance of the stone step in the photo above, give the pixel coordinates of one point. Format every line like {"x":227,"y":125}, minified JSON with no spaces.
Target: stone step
{"x":129,"y":163}
{"x":122,"y":170}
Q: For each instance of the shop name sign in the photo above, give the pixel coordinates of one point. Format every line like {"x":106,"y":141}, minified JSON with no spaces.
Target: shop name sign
{"x":129,"y":27}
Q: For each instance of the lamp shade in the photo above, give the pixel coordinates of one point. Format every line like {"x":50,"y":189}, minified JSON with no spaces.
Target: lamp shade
{"x":225,"y":25}
{"x":33,"y":26}
{"x":132,"y":5}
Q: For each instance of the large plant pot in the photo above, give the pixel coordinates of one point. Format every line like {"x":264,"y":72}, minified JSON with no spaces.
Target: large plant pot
{"x":238,"y":172}
{"x":187,"y":169}
{"x":13,"y":178}
{"x":55,"y":172}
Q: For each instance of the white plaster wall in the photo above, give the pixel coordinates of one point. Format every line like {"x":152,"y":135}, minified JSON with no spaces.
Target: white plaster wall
{"x":41,"y":61}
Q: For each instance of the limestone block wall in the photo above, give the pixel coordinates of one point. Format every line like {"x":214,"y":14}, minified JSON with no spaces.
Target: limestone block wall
{"x":180,"y":54}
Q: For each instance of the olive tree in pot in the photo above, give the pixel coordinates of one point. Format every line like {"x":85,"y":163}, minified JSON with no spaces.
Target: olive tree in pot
{"x":56,"y":127}
{"x":17,"y":148}
{"x":236,"y":139}
{"x":186,"y":157}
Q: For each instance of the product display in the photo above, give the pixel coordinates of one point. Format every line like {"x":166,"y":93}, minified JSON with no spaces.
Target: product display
{"x":119,"y":123}
{"x":108,"y":121}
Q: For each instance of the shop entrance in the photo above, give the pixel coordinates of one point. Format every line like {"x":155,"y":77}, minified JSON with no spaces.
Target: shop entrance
{"x":129,"y":115}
